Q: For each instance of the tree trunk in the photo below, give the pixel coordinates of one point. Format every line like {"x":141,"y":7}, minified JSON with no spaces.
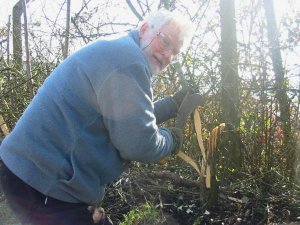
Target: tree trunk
{"x":17,"y":36}
{"x":230,"y":81}
{"x":8,"y":41}
{"x":133,"y":9}
{"x":8,"y":63}
{"x":280,"y":87}
{"x":28,"y":66}
{"x":166,"y":4}
{"x":66,"y":47}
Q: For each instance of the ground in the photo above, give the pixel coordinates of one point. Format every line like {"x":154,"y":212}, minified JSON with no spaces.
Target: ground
{"x":237,"y":203}
{"x":182,"y":202}
{"x":6,"y":216}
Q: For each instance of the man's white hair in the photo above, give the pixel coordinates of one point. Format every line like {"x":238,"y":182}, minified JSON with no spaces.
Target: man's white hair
{"x":161,"y":17}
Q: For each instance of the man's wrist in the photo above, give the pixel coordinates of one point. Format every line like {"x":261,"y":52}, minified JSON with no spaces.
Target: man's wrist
{"x":177,"y":135}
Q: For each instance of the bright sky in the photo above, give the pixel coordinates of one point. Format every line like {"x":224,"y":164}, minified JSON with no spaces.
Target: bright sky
{"x":36,"y":8}
{"x":6,"y":7}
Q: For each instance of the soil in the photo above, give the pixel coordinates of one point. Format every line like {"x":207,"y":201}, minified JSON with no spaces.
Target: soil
{"x":240,"y":205}
{"x":185,"y":205}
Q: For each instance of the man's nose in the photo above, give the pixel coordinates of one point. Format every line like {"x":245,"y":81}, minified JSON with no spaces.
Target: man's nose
{"x":168,"y":56}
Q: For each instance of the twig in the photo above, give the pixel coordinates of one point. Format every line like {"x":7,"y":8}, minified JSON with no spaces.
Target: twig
{"x":175,"y":178}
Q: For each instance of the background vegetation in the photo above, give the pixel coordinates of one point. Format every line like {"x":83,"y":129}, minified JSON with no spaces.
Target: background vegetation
{"x":242,"y":59}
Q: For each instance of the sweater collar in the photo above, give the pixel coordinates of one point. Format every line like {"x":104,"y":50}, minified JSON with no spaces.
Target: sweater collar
{"x":134,"y":34}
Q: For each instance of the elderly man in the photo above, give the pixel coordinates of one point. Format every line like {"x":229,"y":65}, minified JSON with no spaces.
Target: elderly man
{"x":91,"y":117}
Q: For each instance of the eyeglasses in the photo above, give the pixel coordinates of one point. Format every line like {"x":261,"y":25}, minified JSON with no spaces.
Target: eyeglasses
{"x":165,"y":43}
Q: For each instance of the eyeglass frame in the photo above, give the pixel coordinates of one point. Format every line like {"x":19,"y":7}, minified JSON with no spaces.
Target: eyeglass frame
{"x":165,"y":43}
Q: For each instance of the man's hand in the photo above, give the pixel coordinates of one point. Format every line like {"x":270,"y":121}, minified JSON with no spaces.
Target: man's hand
{"x":177,"y":135}
{"x":99,"y":216}
{"x":179,"y":96}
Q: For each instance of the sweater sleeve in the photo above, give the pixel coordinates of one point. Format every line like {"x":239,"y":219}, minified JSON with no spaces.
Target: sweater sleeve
{"x":125,"y":100}
{"x":164,"y":109}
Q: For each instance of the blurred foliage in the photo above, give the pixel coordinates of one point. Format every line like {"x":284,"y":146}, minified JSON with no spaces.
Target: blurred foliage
{"x":145,"y":214}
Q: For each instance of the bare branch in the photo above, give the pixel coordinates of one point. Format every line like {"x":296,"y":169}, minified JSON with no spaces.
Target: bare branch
{"x":135,"y":12}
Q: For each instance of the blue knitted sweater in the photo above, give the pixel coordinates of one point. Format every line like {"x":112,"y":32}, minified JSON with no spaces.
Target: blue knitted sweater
{"x":92,"y":116}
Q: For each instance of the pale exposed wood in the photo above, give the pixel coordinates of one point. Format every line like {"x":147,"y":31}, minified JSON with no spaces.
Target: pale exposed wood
{"x":4,"y":127}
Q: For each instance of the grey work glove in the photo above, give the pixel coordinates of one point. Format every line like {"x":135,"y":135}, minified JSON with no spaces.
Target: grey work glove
{"x":179,"y":96}
{"x":177,"y":135}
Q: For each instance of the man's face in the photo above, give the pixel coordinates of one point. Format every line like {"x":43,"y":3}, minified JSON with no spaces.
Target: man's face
{"x":160,"y":46}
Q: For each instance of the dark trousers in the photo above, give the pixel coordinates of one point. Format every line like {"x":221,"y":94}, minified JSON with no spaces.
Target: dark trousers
{"x":34,"y":208}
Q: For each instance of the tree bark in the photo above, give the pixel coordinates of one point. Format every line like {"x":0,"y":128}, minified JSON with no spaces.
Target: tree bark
{"x":230,"y":82}
{"x":280,"y":86}
{"x":133,"y":9}
{"x":8,"y":40}
{"x":17,"y":36}
{"x":166,"y":4}
{"x":67,"y":38}
{"x":28,"y":66}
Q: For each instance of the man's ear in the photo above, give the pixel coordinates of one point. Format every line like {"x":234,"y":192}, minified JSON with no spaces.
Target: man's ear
{"x":144,"y":28}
